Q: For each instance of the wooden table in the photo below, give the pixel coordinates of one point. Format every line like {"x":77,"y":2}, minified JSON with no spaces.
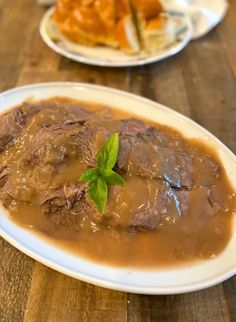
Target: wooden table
{"x":199,"y":82}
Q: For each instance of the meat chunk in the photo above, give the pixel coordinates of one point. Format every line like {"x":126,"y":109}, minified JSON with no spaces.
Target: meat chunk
{"x":53,"y":144}
{"x":144,"y":204}
{"x":11,"y":125}
{"x":167,"y":158}
{"x":68,"y":206}
{"x":60,"y":199}
{"x":78,"y":114}
{"x":27,"y":183}
{"x":134,"y":204}
{"x":92,"y":137}
{"x":206,"y":171}
{"x":203,"y":202}
{"x":133,"y":127}
{"x":95,"y":132}
{"x":4,"y":174}
{"x":4,"y":177}
{"x":196,"y":203}
{"x":58,"y":109}
{"x":163,"y":138}
{"x":137,"y":157}
{"x":169,"y":207}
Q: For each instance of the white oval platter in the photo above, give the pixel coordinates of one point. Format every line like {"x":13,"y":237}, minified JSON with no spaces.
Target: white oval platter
{"x":191,"y":277}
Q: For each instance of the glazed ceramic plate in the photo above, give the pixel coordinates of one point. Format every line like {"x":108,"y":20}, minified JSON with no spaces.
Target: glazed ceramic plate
{"x":104,"y":56}
{"x":204,"y":14}
{"x":191,"y":277}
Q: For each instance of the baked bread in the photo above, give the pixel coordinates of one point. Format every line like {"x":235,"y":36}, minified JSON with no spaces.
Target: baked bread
{"x":154,"y":24}
{"x":126,"y":31}
{"x":86,"y":21}
{"x":130,"y":25}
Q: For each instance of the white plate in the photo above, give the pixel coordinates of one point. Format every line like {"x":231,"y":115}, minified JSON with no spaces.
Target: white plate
{"x":187,"y":278}
{"x":104,"y":56}
{"x":205,"y":14}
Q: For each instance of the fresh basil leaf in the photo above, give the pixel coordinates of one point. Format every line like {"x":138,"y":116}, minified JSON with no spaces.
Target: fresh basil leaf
{"x":102,"y":175}
{"x":112,"y":177}
{"x":107,"y":156}
{"x":89,"y":175}
{"x":98,"y":192}
{"x":102,"y":158}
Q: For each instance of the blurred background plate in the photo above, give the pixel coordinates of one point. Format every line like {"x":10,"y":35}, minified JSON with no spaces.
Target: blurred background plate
{"x":104,"y":56}
{"x":204,"y":14}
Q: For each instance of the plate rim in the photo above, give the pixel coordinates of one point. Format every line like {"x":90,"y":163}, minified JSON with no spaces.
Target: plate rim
{"x":92,"y":61}
{"x":97,"y":281}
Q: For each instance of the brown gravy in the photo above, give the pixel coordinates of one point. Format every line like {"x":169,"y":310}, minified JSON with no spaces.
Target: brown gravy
{"x":178,"y":215}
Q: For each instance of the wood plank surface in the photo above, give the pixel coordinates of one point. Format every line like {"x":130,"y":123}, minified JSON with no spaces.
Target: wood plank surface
{"x":199,"y":82}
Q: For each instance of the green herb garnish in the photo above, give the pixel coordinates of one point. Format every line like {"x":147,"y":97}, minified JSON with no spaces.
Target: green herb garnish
{"x":102,"y":175}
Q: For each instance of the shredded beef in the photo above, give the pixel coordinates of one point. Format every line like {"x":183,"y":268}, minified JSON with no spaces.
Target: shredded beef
{"x":11,"y":125}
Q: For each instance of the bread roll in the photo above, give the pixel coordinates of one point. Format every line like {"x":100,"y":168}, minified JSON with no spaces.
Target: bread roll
{"x":154,"y":24}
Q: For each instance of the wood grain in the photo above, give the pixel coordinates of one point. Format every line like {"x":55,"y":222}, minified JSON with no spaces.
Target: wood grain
{"x":227,"y":37}
{"x":208,"y":305}
{"x":66,"y":299}
{"x":200,"y":82}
